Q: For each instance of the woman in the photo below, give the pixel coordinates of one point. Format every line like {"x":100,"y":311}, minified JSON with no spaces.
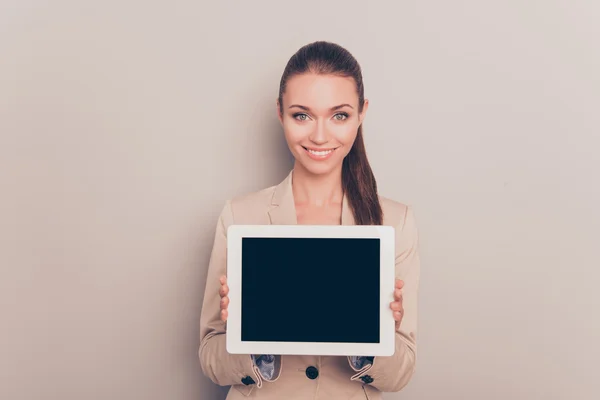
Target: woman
{"x":321,"y":107}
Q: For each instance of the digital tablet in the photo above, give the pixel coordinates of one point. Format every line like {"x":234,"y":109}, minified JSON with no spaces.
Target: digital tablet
{"x":312,"y":290}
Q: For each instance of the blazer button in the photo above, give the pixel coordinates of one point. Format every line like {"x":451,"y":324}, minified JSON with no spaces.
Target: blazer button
{"x":367,"y":379}
{"x":312,"y":372}
{"x":248,"y":381}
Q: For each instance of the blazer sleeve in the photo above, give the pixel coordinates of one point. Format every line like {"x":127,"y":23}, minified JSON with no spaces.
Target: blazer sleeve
{"x":391,"y":374}
{"x":217,"y":364}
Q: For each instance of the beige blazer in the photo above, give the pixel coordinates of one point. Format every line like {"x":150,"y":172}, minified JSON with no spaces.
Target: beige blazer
{"x":337,"y":379}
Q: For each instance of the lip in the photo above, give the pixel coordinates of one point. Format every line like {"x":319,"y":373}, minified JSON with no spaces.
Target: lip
{"x":319,"y":157}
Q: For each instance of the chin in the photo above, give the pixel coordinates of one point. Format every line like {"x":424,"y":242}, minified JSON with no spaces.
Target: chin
{"x":318,"y":167}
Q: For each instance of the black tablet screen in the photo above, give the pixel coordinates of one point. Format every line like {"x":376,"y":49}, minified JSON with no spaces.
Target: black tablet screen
{"x":310,"y":290}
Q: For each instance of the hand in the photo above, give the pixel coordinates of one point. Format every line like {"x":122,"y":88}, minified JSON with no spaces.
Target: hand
{"x":223,"y":292}
{"x":396,"y":305}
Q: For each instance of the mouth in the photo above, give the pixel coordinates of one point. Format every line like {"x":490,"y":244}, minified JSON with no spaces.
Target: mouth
{"x":319,"y":153}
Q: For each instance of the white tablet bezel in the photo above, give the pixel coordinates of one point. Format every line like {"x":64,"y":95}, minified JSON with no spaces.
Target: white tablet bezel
{"x":385,"y":234}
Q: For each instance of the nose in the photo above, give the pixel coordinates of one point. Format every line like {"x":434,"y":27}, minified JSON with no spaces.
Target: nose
{"x":319,"y":135}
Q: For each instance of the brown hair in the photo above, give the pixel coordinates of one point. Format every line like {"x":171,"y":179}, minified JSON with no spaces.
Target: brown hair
{"x":358,"y":181}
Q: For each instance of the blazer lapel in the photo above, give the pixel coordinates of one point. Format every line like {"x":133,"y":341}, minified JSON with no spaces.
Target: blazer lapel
{"x":283,"y":206}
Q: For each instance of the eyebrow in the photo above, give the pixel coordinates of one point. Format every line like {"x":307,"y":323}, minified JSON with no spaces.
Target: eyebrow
{"x":331,"y":109}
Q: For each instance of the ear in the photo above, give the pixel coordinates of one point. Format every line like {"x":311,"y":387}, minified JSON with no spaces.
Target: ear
{"x":363,"y":114}
{"x":279,"y":116}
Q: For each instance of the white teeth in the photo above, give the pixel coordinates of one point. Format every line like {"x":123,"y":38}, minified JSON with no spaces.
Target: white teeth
{"x":320,"y":153}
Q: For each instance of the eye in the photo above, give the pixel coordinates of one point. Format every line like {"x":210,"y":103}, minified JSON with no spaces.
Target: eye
{"x":340,"y":116}
{"x":300,"y":116}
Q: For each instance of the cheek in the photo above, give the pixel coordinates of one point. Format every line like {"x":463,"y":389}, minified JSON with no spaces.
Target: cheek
{"x":346,"y":134}
{"x":294,"y":132}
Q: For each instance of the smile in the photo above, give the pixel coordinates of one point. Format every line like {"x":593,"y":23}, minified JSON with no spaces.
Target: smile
{"x":319,"y":154}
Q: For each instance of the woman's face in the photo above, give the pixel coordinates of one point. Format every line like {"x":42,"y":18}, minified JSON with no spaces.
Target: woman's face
{"x":320,"y":119}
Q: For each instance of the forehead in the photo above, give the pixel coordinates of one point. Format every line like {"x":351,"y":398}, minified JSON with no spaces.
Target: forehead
{"x":320,"y":92}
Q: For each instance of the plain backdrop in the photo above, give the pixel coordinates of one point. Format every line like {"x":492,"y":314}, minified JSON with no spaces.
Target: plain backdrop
{"x":125,"y":125}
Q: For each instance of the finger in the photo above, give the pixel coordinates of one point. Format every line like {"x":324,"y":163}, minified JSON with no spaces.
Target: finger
{"x":224,"y":290}
{"x":223,"y":280}
{"x":397,"y":315}
{"x":399,"y":283}
{"x":224,"y":303}
{"x":398,"y":294}
{"x":396,"y":306}
{"x":224,"y":315}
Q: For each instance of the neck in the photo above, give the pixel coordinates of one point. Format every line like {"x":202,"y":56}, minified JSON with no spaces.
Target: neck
{"x":317,"y":190}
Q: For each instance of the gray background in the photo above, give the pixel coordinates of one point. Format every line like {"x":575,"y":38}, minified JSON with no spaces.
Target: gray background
{"x":126,"y":124}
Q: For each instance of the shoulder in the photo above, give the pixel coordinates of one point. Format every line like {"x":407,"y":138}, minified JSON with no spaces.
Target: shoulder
{"x":259,"y":200}
{"x":401,"y":216}
{"x":248,"y":208}
{"x":395,"y":213}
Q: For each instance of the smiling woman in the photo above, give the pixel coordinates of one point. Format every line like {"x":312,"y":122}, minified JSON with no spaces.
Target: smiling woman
{"x":321,"y":108}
